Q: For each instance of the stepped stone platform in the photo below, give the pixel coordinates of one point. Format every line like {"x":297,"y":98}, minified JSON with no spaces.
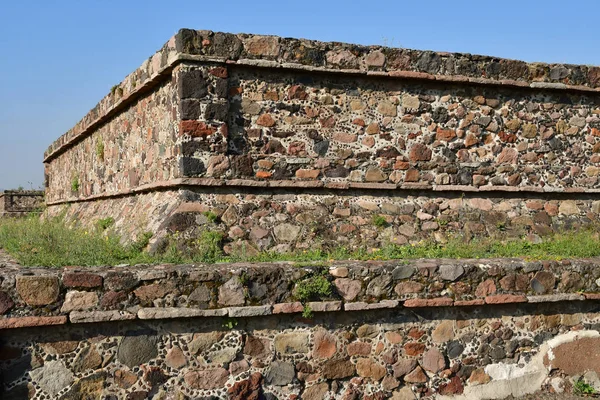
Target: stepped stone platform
{"x":297,"y":144}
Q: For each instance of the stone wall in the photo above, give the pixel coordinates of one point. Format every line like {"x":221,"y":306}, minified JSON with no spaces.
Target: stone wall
{"x":261,"y":130}
{"x":20,"y":202}
{"x":376,"y":330}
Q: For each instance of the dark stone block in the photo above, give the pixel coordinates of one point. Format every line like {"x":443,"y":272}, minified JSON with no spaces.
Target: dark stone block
{"x":190,"y":148}
{"x":216,"y":111}
{"x":222,"y":88}
{"x":19,"y":392}
{"x":321,"y":147}
{"x":137,"y":349}
{"x":337,"y":172}
{"x":192,"y":85}
{"x":191,"y":166}
{"x":455,"y":349}
{"x":226,"y":45}
{"x":120,"y":281}
{"x":242,"y":166}
{"x":15,"y":370}
{"x":189,"y":109}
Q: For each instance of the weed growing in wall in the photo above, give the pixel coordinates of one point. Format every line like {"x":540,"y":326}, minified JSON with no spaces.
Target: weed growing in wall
{"x":75,"y":184}
{"x":105,"y":223}
{"x":379,"y":221}
{"x":211,"y":216}
{"x":100,"y":149}
{"x":314,"y":288}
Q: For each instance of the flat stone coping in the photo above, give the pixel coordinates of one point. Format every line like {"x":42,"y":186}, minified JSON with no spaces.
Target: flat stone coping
{"x":32,"y":297}
{"x":273,"y":52}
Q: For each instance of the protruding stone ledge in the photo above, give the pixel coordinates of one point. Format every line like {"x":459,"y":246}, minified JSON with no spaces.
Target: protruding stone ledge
{"x":316,"y":184}
{"x":84,"y":317}
{"x":39,"y":296}
{"x":25,"y":322}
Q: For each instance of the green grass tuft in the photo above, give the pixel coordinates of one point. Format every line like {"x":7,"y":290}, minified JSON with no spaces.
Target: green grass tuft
{"x":379,"y":221}
{"x":105,"y":223}
{"x":211,"y":216}
{"x":75,"y":184}
{"x":580,"y":387}
{"x":316,"y":287}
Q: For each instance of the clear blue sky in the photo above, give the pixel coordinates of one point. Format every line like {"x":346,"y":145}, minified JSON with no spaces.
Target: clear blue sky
{"x":59,"y":58}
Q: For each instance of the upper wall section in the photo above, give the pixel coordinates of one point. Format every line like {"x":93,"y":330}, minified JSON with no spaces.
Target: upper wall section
{"x":336,"y":115}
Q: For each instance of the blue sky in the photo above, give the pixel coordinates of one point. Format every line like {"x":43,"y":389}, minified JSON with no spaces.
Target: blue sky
{"x":59,"y":58}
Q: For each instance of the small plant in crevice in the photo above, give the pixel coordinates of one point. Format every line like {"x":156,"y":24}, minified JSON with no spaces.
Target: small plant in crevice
{"x":581,"y":387}
{"x":105,"y":223}
{"x":75,"y":184}
{"x":243,"y":278}
{"x":116,"y":90}
{"x":379,"y":221}
{"x":100,"y":149}
{"x":314,"y":288}
{"x":442,"y":222}
{"x":307,"y":312}
{"x":211,"y":216}
{"x":229,"y":323}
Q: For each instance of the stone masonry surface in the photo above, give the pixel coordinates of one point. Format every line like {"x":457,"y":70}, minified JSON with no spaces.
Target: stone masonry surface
{"x":399,"y":330}
{"x":20,"y":202}
{"x":438,"y":143}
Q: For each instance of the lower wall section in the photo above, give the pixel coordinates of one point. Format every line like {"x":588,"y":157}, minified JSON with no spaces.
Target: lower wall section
{"x":480,"y":352}
{"x":344,"y":330}
{"x":258,"y":219}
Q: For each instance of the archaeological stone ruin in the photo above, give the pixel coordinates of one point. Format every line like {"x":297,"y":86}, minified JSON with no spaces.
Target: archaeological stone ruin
{"x":18,"y":203}
{"x":287,"y":145}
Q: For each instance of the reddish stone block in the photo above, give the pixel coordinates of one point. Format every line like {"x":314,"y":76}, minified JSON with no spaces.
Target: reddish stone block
{"x":263,"y":174}
{"x":288,"y":308}
{"x":81,"y":280}
{"x":437,"y":302}
{"x":111,"y":299}
{"x":455,"y":386}
{"x":219,"y":72}
{"x":469,"y":303}
{"x":485,"y":288}
{"x":359,"y":349}
{"x":414,"y":348}
{"x":23,"y":322}
{"x":505,"y":299}
{"x":307,"y":173}
{"x":420,"y":152}
{"x":196,"y":128}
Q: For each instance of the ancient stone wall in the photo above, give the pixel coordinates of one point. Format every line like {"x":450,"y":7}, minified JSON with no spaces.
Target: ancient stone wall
{"x":262,"y":131}
{"x":20,"y":202}
{"x":375,"y":330}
